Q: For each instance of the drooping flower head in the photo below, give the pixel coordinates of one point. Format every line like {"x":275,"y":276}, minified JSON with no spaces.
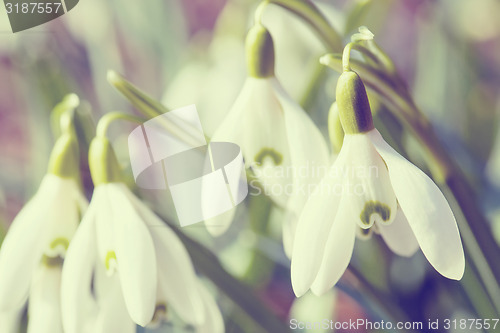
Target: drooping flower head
{"x":125,"y":266}
{"x":276,"y":136}
{"x":370,"y":187}
{"x":34,"y":249}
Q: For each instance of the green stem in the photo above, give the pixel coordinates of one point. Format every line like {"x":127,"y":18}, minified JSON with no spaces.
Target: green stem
{"x":261,"y":266}
{"x":310,"y":94}
{"x":308,"y":11}
{"x":476,"y":293}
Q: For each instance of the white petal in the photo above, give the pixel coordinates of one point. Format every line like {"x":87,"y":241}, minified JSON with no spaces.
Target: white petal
{"x":369,"y":190}
{"x":337,"y":252}
{"x":176,"y":275}
{"x":313,"y":228}
{"x":135,"y":255}
{"x":22,"y":247}
{"x":398,"y":236}
{"x":213,"y":323}
{"x":308,"y":148}
{"x":10,"y":321}
{"x":427,"y":210}
{"x":256,"y":124}
{"x":113,"y":315}
{"x":77,"y":301}
{"x":44,"y":308}
{"x":105,"y":234}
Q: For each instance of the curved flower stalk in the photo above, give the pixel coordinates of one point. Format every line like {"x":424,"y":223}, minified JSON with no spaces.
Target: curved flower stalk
{"x":136,"y":264}
{"x":33,"y":251}
{"x":276,"y":136}
{"x":370,"y":187}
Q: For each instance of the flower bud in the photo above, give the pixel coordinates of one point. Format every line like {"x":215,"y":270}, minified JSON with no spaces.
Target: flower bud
{"x":354,"y":108}
{"x":104,"y":166}
{"x":259,"y":52}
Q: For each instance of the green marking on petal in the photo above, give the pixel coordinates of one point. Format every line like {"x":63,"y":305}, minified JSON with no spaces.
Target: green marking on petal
{"x":48,"y":261}
{"x":276,"y":156}
{"x":60,"y":241}
{"x":375,"y":207}
{"x":111,"y":255}
{"x":55,"y":253}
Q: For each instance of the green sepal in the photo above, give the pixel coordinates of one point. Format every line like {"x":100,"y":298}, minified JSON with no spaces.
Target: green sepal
{"x":335,"y":130}
{"x":354,"y":108}
{"x":65,"y":157}
{"x":259,"y":52}
{"x":104,"y":166}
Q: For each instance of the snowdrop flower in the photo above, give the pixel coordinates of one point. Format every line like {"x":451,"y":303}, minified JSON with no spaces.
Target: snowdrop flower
{"x":33,"y":251}
{"x":125,"y":266}
{"x":370,"y":187}
{"x":276,"y":136}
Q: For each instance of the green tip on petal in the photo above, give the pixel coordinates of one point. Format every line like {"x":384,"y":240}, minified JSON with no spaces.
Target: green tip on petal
{"x":259,"y":52}
{"x":374,"y":208}
{"x":354,"y":108}
{"x":335,"y":130}
{"x":104,"y":166}
{"x":65,"y":157}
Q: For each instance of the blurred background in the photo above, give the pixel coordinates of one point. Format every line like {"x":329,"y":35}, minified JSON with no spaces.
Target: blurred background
{"x":192,"y":51}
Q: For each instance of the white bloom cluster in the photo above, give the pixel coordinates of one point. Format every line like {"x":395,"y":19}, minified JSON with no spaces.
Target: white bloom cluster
{"x":120,"y":267}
